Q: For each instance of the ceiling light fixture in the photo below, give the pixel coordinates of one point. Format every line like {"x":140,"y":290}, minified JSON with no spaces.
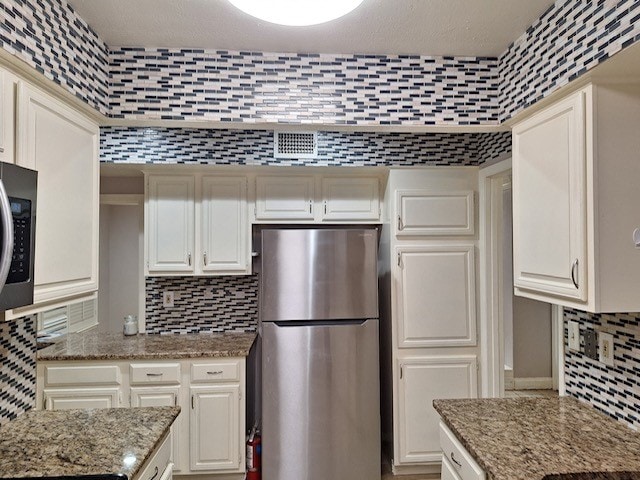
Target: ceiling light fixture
{"x":297,"y":13}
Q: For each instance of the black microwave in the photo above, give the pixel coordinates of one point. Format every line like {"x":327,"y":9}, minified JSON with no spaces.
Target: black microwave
{"x":18,"y":195}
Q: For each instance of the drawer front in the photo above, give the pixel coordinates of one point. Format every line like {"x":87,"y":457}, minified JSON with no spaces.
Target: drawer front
{"x":82,"y":375}
{"x":154,"y":373}
{"x":459,"y":459}
{"x":156,"y":466}
{"x":215,"y":372}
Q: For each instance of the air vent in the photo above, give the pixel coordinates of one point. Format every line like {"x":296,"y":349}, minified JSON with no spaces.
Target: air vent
{"x":296,"y":144}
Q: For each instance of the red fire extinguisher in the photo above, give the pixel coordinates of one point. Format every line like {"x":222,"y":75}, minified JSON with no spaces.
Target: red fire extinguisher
{"x":254,"y":451}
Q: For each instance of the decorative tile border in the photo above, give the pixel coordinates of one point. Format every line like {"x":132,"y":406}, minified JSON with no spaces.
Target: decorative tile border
{"x":17,"y":367}
{"x":612,"y":390}
{"x":571,"y":37}
{"x":202,"y":304}
{"x":252,"y":87}
{"x":255,"y":147}
{"x":53,"y":39}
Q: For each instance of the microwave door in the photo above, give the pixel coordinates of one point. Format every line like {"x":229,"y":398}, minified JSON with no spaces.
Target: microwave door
{"x":6,"y":220}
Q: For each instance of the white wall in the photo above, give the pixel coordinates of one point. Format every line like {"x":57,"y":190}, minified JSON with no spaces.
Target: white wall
{"x":507,"y":277}
{"x":119,"y":264}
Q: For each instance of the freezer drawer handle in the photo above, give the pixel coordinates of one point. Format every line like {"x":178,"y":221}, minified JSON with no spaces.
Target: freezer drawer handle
{"x":453,"y":459}
{"x":216,"y":372}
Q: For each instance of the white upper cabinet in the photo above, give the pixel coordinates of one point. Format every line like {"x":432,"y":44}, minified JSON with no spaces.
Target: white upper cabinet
{"x":285,"y":198}
{"x":197,"y":225}
{"x":224,"y":227}
{"x":171,"y":227}
{"x":575,"y":191}
{"x":435,"y":295}
{"x":62,"y":145}
{"x":8,"y":90}
{"x":348,"y":198}
{"x":433,"y":212}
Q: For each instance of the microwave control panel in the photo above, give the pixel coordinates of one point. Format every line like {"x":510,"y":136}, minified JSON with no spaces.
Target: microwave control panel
{"x":21,"y":211}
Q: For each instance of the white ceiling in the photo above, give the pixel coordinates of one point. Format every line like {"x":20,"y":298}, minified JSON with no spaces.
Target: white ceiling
{"x":425,"y":27}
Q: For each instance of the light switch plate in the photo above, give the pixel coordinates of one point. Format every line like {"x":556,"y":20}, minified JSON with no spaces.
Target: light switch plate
{"x":574,"y":336}
{"x":605,"y":348}
{"x":167,"y":298}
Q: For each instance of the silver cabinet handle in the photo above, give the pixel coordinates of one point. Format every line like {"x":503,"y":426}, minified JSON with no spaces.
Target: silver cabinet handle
{"x":310,"y":206}
{"x":204,"y":257}
{"x":574,"y":269}
{"x":453,"y":459}
{"x":189,"y":258}
{"x":217,"y":372}
{"x":399,"y":259}
{"x":399,"y":223}
{"x":154,"y":374}
{"x":7,"y":235}
{"x":155,"y":473}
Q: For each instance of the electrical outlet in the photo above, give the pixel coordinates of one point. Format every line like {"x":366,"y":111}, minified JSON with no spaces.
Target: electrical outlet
{"x":167,"y":298}
{"x":605,"y":348}
{"x":574,"y":336}
{"x":591,"y":344}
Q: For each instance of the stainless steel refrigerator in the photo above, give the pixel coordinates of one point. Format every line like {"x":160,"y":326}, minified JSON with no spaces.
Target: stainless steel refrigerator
{"x":320,"y":370}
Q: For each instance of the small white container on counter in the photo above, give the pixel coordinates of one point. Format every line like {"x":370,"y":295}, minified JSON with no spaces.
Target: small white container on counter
{"x":131,"y":325}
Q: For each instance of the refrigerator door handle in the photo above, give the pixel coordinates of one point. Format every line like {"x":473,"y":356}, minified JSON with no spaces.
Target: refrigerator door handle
{"x":320,"y":323}
{"x":7,"y":235}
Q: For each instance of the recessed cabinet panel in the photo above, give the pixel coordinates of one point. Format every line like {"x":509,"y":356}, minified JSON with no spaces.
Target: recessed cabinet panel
{"x":284,"y":198}
{"x":171,"y":223}
{"x":62,"y":146}
{"x":214,"y":428}
{"x":425,"y":212}
{"x":59,"y":399}
{"x":422,"y":380}
{"x":549,"y":201}
{"x":350,"y":199}
{"x":224,"y":224}
{"x":435,"y":294}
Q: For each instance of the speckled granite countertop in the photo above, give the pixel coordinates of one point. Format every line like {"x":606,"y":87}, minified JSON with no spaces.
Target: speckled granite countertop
{"x":542,"y":438}
{"x":82,"y":442}
{"x":93,"y":345}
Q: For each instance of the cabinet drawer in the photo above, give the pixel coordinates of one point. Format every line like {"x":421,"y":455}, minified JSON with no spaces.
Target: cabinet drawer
{"x":215,"y":372}
{"x":459,"y":459}
{"x":156,"y":373}
{"x":157,"y":464}
{"x":82,"y":375}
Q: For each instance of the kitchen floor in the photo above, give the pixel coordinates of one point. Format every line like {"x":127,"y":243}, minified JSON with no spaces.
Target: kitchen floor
{"x":530,"y":393}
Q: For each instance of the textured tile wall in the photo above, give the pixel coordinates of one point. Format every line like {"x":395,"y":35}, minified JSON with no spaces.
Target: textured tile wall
{"x":202,"y":304}
{"x":255,"y":87}
{"x":17,"y":367}
{"x":53,"y":39}
{"x":255,"y":147}
{"x":570,"y":38}
{"x":613,"y":390}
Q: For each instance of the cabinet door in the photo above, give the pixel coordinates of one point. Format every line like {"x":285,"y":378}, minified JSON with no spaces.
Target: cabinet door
{"x":170,"y":240}
{"x":422,"y":380}
{"x":284,"y":198}
{"x":215,"y":432}
{"x":549,"y":201}
{"x":224,"y":226}
{"x":72,"y":398}
{"x":350,"y":199}
{"x":62,"y":146}
{"x":430,"y":212}
{"x":448,"y":472}
{"x":8,"y":87}
{"x":161,"y":397}
{"x":435,"y":296}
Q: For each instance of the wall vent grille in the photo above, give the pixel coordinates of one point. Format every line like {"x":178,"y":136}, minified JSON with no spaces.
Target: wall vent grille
{"x":295,"y":144}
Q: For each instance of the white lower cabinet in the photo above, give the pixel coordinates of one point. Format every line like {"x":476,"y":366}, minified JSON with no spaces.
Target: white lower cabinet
{"x":457,"y":462}
{"x":422,"y":380}
{"x":159,"y":466}
{"x":208,"y":435}
{"x":215,"y":409}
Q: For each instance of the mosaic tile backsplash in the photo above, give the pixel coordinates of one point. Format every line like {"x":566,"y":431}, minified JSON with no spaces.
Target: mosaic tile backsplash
{"x":53,"y":39}
{"x":17,"y":367}
{"x":202,"y":304}
{"x":570,"y":38}
{"x":613,"y":390}
{"x":177,"y":84}
{"x":255,"y":147}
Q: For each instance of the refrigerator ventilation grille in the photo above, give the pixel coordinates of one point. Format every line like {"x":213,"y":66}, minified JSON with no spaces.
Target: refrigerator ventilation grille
{"x":296,"y":144}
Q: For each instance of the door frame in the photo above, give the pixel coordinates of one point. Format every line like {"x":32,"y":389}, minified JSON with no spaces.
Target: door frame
{"x":491,"y":290}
